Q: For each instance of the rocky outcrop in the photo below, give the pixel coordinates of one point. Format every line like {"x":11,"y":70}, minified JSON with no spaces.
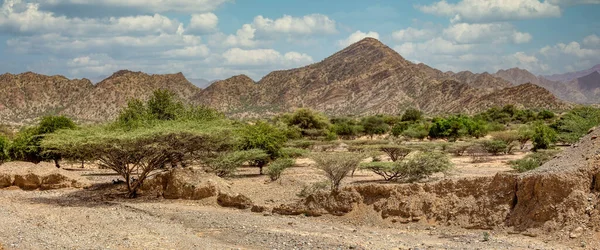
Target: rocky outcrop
{"x":28,"y":176}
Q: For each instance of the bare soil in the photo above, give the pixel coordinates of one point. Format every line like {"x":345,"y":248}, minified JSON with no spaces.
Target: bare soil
{"x":99,"y":218}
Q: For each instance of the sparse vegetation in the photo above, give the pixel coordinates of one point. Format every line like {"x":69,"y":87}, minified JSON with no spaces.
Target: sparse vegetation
{"x":533,"y":161}
{"x":418,"y":167}
{"x":336,"y":166}
{"x":265,"y":137}
{"x":4,"y":145}
{"x":543,"y":136}
{"x":276,"y":168}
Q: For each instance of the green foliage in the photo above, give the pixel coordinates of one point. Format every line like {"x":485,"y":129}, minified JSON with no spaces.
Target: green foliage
{"x":303,"y":144}
{"x":134,"y":114}
{"x":576,"y":123}
{"x":412,"y":115}
{"x":453,"y":127}
{"x":395,"y":152}
{"x":374,"y":125}
{"x":336,"y":166}
{"x":290,"y":152}
{"x":510,"y":138}
{"x":226,"y":164}
{"x":494,"y":147}
{"x":307,"y":119}
{"x":399,"y":128}
{"x":415,"y":168}
{"x":545,"y":115}
{"x":276,"y":168}
{"x":330,"y":136}
{"x":4,"y":146}
{"x":543,"y":136}
{"x":416,"y":131}
{"x":533,"y":160}
{"x":346,"y":128}
{"x":27,"y":144}
{"x":459,"y":148}
{"x":262,"y":136}
{"x":164,"y":106}
{"x":525,"y":133}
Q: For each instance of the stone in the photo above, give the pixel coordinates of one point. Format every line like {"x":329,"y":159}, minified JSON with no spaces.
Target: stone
{"x":576,"y":233}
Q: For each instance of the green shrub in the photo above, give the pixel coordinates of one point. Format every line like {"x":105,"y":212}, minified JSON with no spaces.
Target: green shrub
{"x":4,"y":145}
{"x":290,"y":152}
{"x":533,"y":160}
{"x":228,"y":163}
{"x":494,"y":147}
{"x":303,"y":144}
{"x":525,"y":134}
{"x":495,"y":126}
{"x":399,"y":128}
{"x":415,"y":168}
{"x":330,"y":136}
{"x":346,"y":128}
{"x":265,"y":137}
{"x":416,"y":131}
{"x":374,"y":125}
{"x":395,"y":152}
{"x":510,"y":137}
{"x":336,"y":166}
{"x":307,"y":119}
{"x":276,"y":168}
{"x":390,"y":171}
{"x":576,"y":123}
{"x":459,"y":148}
{"x":543,"y":137}
{"x":545,"y":115}
{"x":412,"y":115}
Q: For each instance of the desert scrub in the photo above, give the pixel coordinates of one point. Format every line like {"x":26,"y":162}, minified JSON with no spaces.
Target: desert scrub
{"x":228,"y":163}
{"x":415,"y":168}
{"x":276,"y":168}
{"x":308,"y":190}
{"x":4,"y":144}
{"x":533,"y":161}
{"x":291,"y":152}
{"x":336,"y":166}
{"x":494,"y":147}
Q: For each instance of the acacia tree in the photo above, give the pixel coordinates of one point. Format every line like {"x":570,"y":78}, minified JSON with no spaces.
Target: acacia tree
{"x":265,"y":137}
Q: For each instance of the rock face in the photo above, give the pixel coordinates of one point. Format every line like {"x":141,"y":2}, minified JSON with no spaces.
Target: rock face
{"x":563,"y":194}
{"x":24,"y":97}
{"x":29,"y":176}
{"x":112,"y":94}
{"x":366,"y":78}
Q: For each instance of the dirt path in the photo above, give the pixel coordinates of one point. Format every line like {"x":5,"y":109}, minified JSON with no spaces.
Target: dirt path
{"x":79,"y":219}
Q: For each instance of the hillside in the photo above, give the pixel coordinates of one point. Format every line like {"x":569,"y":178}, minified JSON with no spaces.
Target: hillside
{"x":109,"y":96}
{"x":26,"y":96}
{"x":570,"y":76}
{"x":368,"y":77}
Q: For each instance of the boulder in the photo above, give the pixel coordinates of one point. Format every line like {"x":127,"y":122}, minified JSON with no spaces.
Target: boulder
{"x":43,"y":176}
{"x":234,"y":200}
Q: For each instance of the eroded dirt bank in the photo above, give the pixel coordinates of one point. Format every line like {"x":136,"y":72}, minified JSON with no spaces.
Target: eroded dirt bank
{"x":560,"y":198}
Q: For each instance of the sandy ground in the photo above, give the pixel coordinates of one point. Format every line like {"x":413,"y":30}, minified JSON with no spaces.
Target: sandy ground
{"x":98,"y":218}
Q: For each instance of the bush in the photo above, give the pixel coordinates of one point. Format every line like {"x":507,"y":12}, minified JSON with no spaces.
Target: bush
{"x":511,"y":139}
{"x":291,"y":152}
{"x":164,"y":106}
{"x":228,"y":163}
{"x":399,"y":128}
{"x":525,"y":134}
{"x":374,"y":125}
{"x":459,"y":148}
{"x":576,"y":123}
{"x":425,"y":164}
{"x":415,"y":168}
{"x":330,"y":136}
{"x":346,"y":128}
{"x":533,"y":161}
{"x":307,"y":119}
{"x":336,"y":166}
{"x":303,"y":144}
{"x":313,"y":188}
{"x":545,"y":115}
{"x":416,"y":131}
{"x":4,"y":145}
{"x":494,"y":147}
{"x":276,"y":168}
{"x":265,"y":137}
{"x":543,"y":137}
{"x":395,"y":152}
{"x":412,"y":115}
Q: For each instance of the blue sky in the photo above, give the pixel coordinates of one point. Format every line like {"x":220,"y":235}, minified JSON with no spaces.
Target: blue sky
{"x":216,"y":39}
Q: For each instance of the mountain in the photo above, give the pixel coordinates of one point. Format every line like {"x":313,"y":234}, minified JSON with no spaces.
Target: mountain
{"x":199,"y":82}
{"x":108,"y":97}
{"x":517,"y":76}
{"x":26,"y":96}
{"x":567,"y":77}
{"x":367,"y":78}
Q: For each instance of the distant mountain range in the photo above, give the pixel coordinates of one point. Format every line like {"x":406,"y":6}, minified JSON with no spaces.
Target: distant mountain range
{"x":365,"y":78}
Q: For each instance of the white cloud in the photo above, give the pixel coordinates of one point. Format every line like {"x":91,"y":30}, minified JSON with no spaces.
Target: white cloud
{"x":244,"y":37}
{"x":306,"y":25}
{"x":571,"y":49}
{"x":413,"y":35}
{"x":592,"y":41}
{"x":203,"y":23}
{"x":492,"y":10}
{"x":154,"y":6}
{"x":357,"y":36}
{"x":29,"y":19}
{"x":192,"y":51}
{"x":466,"y":33}
{"x":573,"y":2}
{"x":258,"y":57}
{"x":434,"y":46}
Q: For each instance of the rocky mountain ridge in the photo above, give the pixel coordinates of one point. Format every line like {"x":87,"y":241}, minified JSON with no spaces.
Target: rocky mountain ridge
{"x":365,"y":78}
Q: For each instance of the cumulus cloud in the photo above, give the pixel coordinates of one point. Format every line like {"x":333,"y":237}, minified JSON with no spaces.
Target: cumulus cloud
{"x":570,"y":49}
{"x":434,"y":46}
{"x":191,"y":51}
{"x":357,"y":36}
{"x":150,"y":6}
{"x":492,"y":10}
{"x":258,"y":57}
{"x":413,"y":35}
{"x":573,"y":2}
{"x":203,"y":23}
{"x":306,"y":25}
{"x":29,"y":19}
{"x":244,"y":37}
{"x":466,"y":33}
{"x":592,"y":41}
